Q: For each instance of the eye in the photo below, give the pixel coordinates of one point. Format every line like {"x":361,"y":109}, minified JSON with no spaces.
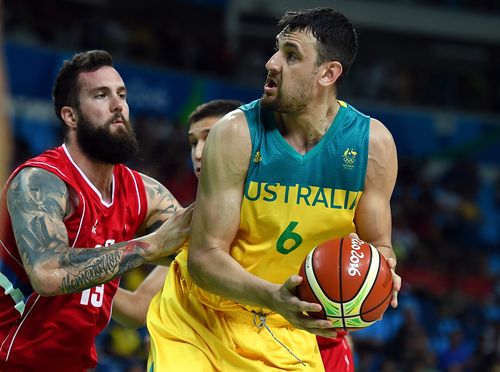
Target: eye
{"x":100,"y":95}
{"x":292,"y":57}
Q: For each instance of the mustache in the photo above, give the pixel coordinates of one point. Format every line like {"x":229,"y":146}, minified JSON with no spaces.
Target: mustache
{"x":117,"y":116}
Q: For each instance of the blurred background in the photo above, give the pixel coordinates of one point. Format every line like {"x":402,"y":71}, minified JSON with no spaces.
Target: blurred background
{"x":428,"y":69}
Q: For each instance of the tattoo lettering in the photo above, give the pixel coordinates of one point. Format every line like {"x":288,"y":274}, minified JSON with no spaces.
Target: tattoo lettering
{"x":88,"y":267}
{"x":91,"y":273}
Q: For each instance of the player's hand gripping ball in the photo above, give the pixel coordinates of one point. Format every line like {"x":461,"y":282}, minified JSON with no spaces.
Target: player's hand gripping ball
{"x":350,"y":279}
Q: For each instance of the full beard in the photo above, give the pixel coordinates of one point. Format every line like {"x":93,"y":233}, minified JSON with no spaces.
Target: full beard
{"x":99,"y":143}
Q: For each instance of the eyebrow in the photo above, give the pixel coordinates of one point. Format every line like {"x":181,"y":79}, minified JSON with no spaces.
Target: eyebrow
{"x":287,"y":43}
{"x":105,"y":87}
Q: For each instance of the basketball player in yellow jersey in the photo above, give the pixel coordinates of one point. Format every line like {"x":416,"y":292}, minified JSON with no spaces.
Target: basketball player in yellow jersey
{"x":279,"y":175}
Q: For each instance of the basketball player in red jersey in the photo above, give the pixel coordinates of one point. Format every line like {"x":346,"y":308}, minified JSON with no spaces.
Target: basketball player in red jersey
{"x":130,"y":308}
{"x":68,"y":219}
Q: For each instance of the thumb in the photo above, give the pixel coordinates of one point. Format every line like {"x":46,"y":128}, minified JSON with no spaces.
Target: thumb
{"x":292,"y":282}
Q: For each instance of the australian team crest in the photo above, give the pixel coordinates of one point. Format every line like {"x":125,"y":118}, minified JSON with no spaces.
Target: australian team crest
{"x":349,"y":157}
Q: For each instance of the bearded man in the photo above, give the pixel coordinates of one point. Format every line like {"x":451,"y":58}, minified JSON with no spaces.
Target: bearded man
{"x":69,"y":219}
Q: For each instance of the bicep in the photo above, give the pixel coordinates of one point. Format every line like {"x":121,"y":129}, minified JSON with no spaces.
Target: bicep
{"x":373,"y":214}
{"x":216,"y":216}
{"x":37,"y":201}
{"x":161,"y":205}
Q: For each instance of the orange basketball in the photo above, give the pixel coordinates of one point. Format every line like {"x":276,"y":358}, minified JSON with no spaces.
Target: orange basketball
{"x":350,"y":279}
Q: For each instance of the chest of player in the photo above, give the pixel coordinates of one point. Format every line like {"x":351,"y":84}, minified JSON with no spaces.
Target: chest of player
{"x":95,"y":222}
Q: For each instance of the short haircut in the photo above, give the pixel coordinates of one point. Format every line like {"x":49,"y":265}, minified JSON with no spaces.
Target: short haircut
{"x":65,"y":91}
{"x":214,"y":108}
{"x":336,"y":36}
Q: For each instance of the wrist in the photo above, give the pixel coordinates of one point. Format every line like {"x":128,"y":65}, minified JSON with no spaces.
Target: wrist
{"x":146,"y":247}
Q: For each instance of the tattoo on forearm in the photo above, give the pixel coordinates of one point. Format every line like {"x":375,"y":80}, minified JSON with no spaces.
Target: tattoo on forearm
{"x":88,"y":267}
{"x":91,"y":272}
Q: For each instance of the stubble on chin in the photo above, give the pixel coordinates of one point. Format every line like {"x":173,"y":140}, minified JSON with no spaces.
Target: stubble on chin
{"x":269,"y":102}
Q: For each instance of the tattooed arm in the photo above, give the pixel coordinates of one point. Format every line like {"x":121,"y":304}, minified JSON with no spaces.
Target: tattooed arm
{"x":161,"y":205}
{"x":130,"y":307}
{"x":38,"y":202}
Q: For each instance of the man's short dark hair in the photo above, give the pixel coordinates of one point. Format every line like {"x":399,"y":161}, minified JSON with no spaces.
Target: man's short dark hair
{"x":336,"y":36}
{"x":214,"y":108}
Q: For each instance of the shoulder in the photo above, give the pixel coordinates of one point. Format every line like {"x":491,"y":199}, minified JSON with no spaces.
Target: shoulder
{"x":382,"y":166}
{"x":152,"y":186}
{"x":37,"y":178}
{"x":161,"y":204}
{"x":230,"y":134}
{"x":233,"y":123}
{"x":37,"y":189}
{"x":380,"y":137}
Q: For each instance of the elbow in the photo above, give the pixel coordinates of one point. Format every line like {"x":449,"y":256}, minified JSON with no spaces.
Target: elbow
{"x":195,"y":269}
{"x":42,"y":281}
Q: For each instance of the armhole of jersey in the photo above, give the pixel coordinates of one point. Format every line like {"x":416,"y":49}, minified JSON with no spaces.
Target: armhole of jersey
{"x":366,"y":145}
{"x":141,"y":193}
{"x":252,"y":116}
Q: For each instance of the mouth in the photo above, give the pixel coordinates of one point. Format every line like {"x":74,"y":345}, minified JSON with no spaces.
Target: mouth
{"x":118,"y":120}
{"x":271,"y":84}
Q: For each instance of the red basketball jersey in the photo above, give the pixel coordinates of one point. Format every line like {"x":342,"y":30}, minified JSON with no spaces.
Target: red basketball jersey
{"x":336,"y":353}
{"x":58,"y":332}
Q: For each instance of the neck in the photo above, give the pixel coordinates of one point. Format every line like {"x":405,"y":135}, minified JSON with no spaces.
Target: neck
{"x":305,"y":129}
{"x":99,"y":174}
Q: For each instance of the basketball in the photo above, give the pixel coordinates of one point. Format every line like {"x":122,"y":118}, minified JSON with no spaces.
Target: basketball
{"x":350,"y":279}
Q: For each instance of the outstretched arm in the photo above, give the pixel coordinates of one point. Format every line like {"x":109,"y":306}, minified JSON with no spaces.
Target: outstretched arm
{"x":216,"y":221}
{"x":130,"y":308}
{"x":38,"y":202}
{"x":373,"y":215}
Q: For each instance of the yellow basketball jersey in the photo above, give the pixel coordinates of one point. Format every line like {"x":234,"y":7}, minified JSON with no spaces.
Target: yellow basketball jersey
{"x":292,"y":202}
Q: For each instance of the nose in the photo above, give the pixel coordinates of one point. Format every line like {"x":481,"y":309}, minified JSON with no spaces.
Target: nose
{"x":198,"y":150}
{"x":117,"y":103}
{"x":272,"y":65}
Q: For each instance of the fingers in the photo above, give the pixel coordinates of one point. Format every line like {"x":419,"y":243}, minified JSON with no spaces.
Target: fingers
{"x":291,"y":286}
{"x":396,"y":282}
{"x":391,"y":262}
{"x":353,"y":236}
{"x":321,"y":327}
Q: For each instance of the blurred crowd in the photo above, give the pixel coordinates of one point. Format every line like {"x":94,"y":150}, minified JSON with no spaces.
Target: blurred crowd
{"x":446,"y":212}
{"x":396,"y":67}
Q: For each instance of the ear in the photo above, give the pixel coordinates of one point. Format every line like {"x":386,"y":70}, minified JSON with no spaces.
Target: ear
{"x":69,"y":116}
{"x":332,"y":72}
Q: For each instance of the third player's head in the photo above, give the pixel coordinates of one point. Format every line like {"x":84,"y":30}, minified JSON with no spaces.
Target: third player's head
{"x":314,"y":50}
{"x":201,"y":120}
{"x":90,"y":100}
